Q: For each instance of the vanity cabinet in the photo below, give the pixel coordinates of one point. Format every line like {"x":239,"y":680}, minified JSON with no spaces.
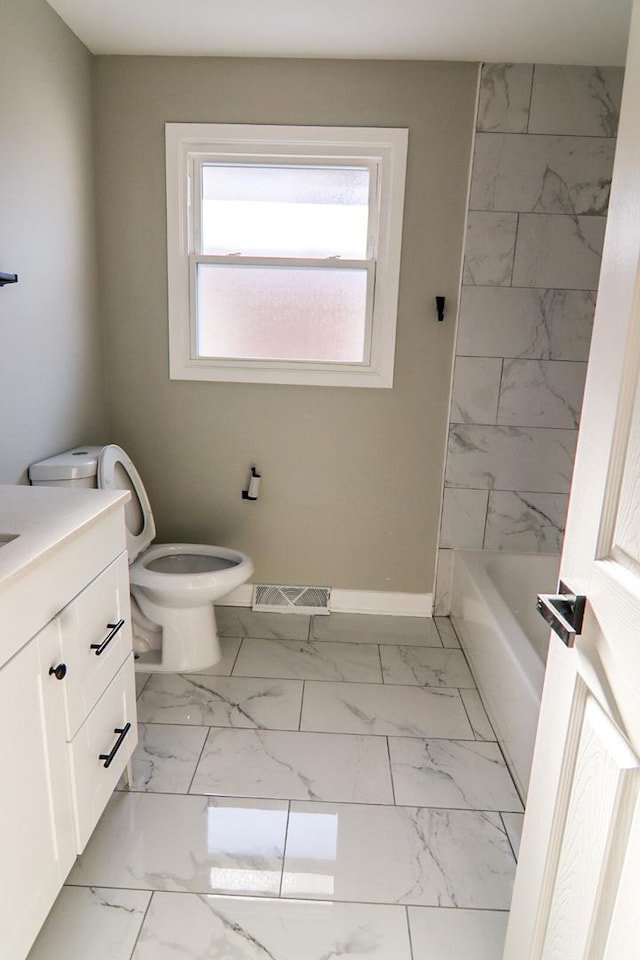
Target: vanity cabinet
{"x":67,"y":709}
{"x":36,"y":812}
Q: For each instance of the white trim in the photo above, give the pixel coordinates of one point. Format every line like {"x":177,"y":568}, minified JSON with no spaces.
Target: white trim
{"x":384,"y":148}
{"x":378,"y":602}
{"x":382,"y":603}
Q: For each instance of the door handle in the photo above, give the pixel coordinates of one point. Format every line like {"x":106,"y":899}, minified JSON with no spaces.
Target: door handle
{"x":563,"y":611}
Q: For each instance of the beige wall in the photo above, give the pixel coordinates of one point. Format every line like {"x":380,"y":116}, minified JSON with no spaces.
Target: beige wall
{"x":51,"y":369}
{"x":352,"y":477}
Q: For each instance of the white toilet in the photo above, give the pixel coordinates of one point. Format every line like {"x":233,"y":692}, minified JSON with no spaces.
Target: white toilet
{"x":173,"y":585}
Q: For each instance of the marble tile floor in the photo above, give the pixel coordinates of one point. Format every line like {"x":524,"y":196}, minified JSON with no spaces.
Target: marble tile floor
{"x":331,"y":789}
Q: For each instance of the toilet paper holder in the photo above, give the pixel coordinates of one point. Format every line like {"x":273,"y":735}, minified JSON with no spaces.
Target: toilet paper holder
{"x":254,"y":485}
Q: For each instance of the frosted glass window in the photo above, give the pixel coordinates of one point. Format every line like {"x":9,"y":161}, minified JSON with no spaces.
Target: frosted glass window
{"x":281,"y":313}
{"x":283,"y":252}
{"x":264,"y":210}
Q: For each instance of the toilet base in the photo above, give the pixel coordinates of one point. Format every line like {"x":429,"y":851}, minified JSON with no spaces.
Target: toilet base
{"x":173,"y":639}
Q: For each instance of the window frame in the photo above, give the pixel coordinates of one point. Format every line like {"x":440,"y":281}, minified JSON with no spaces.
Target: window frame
{"x":189,"y":146}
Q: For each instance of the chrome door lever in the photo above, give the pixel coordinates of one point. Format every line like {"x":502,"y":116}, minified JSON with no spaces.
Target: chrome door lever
{"x":563,"y":611}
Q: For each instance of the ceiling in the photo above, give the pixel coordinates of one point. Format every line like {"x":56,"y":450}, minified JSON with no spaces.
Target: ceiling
{"x":542,"y":31}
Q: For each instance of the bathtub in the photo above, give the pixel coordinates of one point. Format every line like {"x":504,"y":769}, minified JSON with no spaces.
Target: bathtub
{"x":493,"y":607}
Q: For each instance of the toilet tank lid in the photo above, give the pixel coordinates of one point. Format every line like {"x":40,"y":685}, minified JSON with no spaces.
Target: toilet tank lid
{"x":73,"y":464}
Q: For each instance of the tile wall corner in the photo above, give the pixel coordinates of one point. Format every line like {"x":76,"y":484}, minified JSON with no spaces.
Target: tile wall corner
{"x":543,"y":158}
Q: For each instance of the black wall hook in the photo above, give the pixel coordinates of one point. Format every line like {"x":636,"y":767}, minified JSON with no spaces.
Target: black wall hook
{"x":8,"y":278}
{"x":440,"y":308}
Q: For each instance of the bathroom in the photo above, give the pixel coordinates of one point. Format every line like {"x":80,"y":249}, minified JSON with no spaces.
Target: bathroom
{"x":353,"y":479}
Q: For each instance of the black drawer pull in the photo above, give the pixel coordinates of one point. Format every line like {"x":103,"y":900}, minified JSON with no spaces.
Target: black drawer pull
{"x":58,"y":672}
{"x":108,"y":757}
{"x":113,"y":629}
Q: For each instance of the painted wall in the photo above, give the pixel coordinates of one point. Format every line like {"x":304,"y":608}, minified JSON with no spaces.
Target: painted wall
{"x":351,"y":477}
{"x":51,"y":370}
{"x":542,"y":167}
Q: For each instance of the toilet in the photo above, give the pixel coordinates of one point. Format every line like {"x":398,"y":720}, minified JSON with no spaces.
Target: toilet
{"x":173,"y":585}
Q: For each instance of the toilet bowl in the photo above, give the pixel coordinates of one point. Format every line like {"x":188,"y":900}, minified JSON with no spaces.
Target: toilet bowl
{"x":173,"y":585}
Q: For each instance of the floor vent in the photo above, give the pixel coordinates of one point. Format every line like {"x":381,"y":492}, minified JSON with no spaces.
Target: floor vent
{"x":283,"y":599}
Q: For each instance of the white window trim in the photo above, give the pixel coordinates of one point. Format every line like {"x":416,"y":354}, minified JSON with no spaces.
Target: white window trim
{"x":186,"y":143}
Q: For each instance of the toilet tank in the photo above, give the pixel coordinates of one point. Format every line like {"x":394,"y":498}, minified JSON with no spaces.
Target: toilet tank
{"x":73,"y":468}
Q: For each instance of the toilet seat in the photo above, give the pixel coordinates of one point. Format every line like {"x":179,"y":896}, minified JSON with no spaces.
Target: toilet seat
{"x":116,"y":471}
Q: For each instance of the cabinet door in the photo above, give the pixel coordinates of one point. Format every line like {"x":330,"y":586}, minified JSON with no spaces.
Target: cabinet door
{"x":36,"y":827}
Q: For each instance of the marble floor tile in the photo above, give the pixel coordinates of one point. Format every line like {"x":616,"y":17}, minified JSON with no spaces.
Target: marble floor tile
{"x":513,"y":823}
{"x":441,"y":934}
{"x":369,"y":628}
{"x":397,"y":855}
{"x":229,"y":647}
{"x":426,"y":668}
{"x":309,"y":660}
{"x":155,"y":841}
{"x":386,"y":710}
{"x":480,"y":723}
{"x":221,"y":701}
{"x":244,"y":622}
{"x":91,"y":922}
{"x":204,"y":927}
{"x":295,"y":766}
{"x":165,"y":758}
{"x":462,"y":774}
{"x":141,"y":682}
{"x":444,"y":626}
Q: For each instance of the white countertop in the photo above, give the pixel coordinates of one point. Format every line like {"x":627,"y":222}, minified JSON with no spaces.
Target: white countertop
{"x":45,"y":518}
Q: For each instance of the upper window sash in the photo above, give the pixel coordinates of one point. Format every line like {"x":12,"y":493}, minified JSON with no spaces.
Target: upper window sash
{"x":197,"y":160}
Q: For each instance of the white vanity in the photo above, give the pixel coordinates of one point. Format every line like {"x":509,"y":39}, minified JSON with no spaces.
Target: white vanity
{"x":67,"y":689}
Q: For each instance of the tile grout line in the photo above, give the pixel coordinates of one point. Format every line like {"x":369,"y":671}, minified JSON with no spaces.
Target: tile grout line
{"x":235,"y":660}
{"x":284,"y":848}
{"x":391,"y":777}
{"x":144,"y":919}
{"x":304,"y":687}
{"x":406,"y":909}
{"x":292,"y":899}
{"x":195,"y":769}
{"x":507,"y":834}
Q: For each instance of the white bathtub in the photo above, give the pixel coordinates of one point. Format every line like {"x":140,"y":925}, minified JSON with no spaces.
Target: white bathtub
{"x":493,"y":607}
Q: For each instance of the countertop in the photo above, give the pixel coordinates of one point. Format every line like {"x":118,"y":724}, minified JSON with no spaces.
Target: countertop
{"x":44,"y":519}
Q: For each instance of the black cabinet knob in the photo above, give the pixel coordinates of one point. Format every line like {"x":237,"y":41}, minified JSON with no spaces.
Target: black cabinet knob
{"x":59,"y":672}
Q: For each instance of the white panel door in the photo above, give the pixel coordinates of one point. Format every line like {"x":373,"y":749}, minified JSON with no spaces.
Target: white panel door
{"x":577,"y":887}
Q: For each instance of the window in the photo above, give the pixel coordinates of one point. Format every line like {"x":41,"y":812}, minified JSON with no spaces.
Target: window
{"x":284,"y":252}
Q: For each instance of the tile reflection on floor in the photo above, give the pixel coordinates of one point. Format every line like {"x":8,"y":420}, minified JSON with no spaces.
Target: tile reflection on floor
{"x":331,"y":788}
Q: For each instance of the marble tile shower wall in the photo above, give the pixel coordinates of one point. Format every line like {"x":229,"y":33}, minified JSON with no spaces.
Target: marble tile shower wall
{"x":540,"y":183}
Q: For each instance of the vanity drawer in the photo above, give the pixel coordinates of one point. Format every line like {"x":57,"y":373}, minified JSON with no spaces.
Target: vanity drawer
{"x":101,"y":749}
{"x":96,"y":639}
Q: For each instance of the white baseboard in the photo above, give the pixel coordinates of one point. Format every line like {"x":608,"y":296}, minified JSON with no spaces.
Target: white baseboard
{"x":378,"y":602}
{"x":382,"y":603}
